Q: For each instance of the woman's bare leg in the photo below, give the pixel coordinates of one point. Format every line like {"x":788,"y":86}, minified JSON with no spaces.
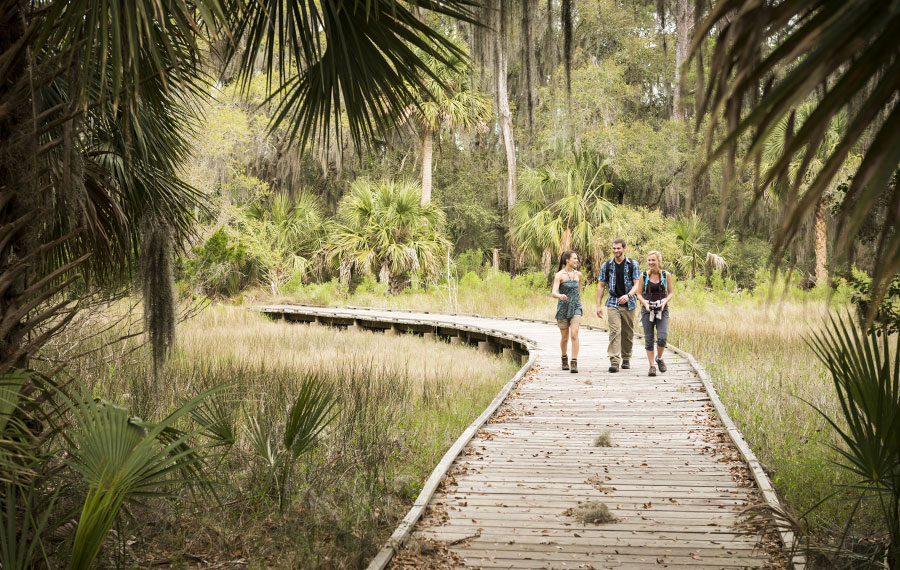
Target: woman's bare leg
{"x":573,"y":334}
{"x":564,"y":341}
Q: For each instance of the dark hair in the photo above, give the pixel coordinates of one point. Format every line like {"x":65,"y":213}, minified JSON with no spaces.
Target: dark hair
{"x":564,"y":258}
{"x":620,"y":241}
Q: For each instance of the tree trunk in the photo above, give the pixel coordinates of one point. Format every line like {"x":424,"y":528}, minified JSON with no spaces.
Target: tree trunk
{"x":427,"y":151}
{"x":19,"y":199}
{"x":821,"y":242}
{"x":684,"y":25}
{"x":505,"y":115}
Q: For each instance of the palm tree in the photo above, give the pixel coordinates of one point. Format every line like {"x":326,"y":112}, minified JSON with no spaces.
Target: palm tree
{"x":561,"y":208}
{"x":774,"y":149}
{"x":97,"y":102}
{"x":281,"y":235}
{"x":700,"y":248}
{"x":385,"y":229}
{"x":854,"y":71}
{"x":448,"y":101}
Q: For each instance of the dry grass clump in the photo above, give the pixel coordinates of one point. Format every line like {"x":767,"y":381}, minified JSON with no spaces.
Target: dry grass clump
{"x":603,"y":439}
{"x":593,"y":512}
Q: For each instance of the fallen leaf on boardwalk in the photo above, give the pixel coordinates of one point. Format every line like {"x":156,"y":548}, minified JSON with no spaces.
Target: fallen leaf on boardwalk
{"x":696,"y":556}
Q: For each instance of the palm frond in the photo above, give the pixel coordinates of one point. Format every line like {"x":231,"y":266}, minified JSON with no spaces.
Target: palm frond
{"x":846,"y":50}
{"x":356,"y":57}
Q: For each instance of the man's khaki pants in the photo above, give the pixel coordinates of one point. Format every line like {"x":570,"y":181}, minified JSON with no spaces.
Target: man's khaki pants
{"x":621,"y":332}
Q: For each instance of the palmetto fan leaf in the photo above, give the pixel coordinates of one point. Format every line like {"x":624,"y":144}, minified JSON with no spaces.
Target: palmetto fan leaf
{"x":846,"y":51}
{"x":120,"y":459}
{"x":865,"y":369}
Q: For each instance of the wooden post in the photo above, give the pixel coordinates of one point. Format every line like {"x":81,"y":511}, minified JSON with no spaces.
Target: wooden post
{"x":496,"y":260}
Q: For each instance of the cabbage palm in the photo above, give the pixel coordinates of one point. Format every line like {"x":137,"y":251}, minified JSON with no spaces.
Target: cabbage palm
{"x":774,"y":149}
{"x":384,"y":228}
{"x":97,"y":102}
{"x":448,"y":100}
{"x":281,"y":235}
{"x":844,"y":52}
{"x":560,"y":208}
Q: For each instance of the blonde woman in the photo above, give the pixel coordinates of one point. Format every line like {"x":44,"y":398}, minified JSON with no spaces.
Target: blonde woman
{"x":656,"y":288}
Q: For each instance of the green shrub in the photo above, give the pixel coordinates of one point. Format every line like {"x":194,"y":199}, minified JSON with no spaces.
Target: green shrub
{"x":470,"y":280}
{"x":219,"y":268}
{"x":472,"y":261}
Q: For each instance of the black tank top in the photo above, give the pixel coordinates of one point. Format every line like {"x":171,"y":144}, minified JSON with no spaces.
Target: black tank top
{"x":655,"y":291}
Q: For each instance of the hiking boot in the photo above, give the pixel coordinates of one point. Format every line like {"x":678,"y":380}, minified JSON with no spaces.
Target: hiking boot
{"x":565,"y":362}
{"x":661,"y":365}
{"x":652,"y":371}
{"x":626,"y":364}
{"x":574,"y":368}
{"x":614,"y":367}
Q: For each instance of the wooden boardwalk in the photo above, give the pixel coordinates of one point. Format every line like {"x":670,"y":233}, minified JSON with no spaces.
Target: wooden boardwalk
{"x":671,"y":477}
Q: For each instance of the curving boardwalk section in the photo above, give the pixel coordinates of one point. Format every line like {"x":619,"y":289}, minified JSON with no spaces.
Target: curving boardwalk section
{"x":672,"y":478}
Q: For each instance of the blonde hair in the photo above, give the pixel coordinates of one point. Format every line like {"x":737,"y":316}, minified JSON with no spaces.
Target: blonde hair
{"x":658,"y":257}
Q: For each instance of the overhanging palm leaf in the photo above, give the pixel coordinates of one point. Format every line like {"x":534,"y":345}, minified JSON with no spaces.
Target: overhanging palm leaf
{"x":358,"y":57}
{"x":846,"y":49}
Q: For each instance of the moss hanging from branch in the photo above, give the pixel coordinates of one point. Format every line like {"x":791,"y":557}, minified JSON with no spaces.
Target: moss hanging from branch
{"x":158,"y":282}
{"x":567,"y":25}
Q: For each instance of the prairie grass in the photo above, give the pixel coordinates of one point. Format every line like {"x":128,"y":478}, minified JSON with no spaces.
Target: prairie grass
{"x":402,"y":402}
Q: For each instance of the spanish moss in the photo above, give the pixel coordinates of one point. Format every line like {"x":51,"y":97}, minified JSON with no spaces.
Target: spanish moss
{"x":567,"y":24}
{"x":158,"y":281}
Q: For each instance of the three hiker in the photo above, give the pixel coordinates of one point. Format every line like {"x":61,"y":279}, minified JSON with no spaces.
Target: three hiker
{"x":627,"y":287}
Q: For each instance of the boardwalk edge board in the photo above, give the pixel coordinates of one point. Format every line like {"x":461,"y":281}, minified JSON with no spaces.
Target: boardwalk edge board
{"x":383,"y":558}
{"x":756,"y":468}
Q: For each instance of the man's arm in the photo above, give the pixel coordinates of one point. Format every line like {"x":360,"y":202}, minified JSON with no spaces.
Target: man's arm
{"x":600,"y":286}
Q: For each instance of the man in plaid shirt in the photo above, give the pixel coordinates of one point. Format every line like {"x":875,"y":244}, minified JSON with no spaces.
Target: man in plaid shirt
{"x":621,"y":275}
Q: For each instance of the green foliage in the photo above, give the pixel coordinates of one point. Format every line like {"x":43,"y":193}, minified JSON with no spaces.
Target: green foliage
{"x":472,"y":260}
{"x":281,"y":236}
{"x":311,"y":412}
{"x":860,"y":66}
{"x":884,"y":316}
{"x":219,"y":268}
{"x":383,"y":228}
{"x":746,"y":257}
{"x":865,"y":370}
{"x":643,"y":231}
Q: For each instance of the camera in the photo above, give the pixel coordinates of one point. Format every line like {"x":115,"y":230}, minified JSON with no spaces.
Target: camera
{"x":655,"y":307}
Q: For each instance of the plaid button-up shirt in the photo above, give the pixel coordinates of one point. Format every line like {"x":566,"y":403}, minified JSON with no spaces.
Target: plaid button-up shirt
{"x":632,"y":272}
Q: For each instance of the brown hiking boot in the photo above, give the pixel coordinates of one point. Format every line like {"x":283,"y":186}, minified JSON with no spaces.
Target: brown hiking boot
{"x":661,"y":365}
{"x":652,"y":371}
{"x":626,"y":364}
{"x":565,"y":362}
{"x":614,"y":367}
{"x":574,"y":367}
